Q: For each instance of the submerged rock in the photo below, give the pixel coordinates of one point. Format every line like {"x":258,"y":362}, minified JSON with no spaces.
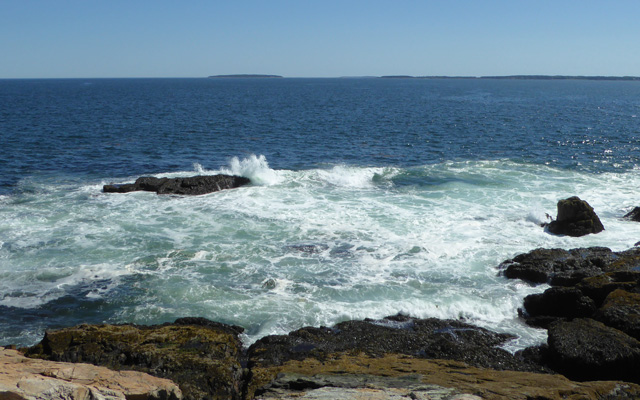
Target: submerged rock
{"x":25,"y":378}
{"x":195,"y":185}
{"x":633,"y":215}
{"x":575,"y":218}
{"x":201,"y":356}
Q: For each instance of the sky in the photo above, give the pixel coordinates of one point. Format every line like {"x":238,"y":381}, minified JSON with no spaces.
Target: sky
{"x":328,"y":38}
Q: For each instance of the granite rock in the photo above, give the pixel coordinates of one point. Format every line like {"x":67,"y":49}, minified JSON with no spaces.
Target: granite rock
{"x":26,"y":378}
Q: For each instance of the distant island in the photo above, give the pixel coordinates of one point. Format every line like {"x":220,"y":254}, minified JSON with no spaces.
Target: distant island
{"x":245,"y":76}
{"x":539,"y":77}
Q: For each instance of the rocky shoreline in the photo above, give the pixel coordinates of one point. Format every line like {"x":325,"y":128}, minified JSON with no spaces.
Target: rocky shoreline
{"x":591,"y":311}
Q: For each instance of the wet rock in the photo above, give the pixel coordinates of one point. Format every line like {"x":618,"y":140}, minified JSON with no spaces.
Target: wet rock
{"x":633,"y":215}
{"x":568,"y":267}
{"x":399,"y":335}
{"x":195,"y":185}
{"x":559,"y":302}
{"x":201,"y":356}
{"x":585,"y":349}
{"x":575,"y":218}
{"x":25,"y":378}
{"x":621,"y":310}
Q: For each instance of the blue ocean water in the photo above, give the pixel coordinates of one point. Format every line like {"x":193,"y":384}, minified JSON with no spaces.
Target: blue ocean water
{"x":369,"y":197}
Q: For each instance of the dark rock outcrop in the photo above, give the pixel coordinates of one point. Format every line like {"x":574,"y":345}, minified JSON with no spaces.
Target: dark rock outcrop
{"x":575,"y":218}
{"x":585,"y":349}
{"x":399,"y":334}
{"x":557,"y":302}
{"x":621,"y":310}
{"x":634,"y":214}
{"x":568,"y":267}
{"x":201,"y":356}
{"x":369,"y":342}
{"x":195,"y":185}
{"x":592,"y":310}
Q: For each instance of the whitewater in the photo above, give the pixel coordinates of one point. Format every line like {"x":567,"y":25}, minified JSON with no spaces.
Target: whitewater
{"x":302,"y":247}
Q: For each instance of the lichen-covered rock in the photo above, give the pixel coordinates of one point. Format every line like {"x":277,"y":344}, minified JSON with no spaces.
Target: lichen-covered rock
{"x":372,"y":339}
{"x":201,"y":356}
{"x":194,"y":185}
{"x":585,"y":349}
{"x":598,"y":287}
{"x":396,"y":376}
{"x":28,"y":379}
{"x":575,"y":218}
{"x":621,"y":310}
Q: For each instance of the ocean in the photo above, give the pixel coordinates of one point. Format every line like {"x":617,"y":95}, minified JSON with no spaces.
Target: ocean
{"x":369,"y":197}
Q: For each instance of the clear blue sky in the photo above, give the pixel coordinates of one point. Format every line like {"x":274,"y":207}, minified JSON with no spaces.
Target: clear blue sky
{"x":301,"y":38}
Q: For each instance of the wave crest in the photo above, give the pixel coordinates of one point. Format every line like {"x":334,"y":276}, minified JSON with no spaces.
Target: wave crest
{"x":255,"y":168}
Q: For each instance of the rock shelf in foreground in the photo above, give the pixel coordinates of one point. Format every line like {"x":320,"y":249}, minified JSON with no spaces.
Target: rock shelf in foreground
{"x":398,"y":357}
{"x":24,"y":378}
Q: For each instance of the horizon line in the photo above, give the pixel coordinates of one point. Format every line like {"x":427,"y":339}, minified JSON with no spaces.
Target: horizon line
{"x":399,"y":76}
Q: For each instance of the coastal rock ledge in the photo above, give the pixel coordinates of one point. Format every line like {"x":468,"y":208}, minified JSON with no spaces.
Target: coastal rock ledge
{"x":398,"y":357}
{"x":194,"y":185}
{"x":591,"y":310}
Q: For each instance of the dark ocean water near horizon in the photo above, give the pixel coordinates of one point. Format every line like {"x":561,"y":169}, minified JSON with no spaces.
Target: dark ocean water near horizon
{"x":369,"y":197}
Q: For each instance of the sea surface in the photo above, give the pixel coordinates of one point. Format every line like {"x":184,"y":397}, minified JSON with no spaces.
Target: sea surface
{"x":369,"y":197}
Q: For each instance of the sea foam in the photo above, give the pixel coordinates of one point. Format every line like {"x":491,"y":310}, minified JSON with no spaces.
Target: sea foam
{"x":336,"y":243}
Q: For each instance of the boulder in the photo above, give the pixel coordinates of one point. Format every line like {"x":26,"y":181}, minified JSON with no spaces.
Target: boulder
{"x":575,"y":218}
{"x":195,"y":185}
{"x":633,"y":215}
{"x":201,"y":356}
{"x":621,"y":310}
{"x":25,"y":378}
{"x":557,"y":302}
{"x":585,"y":349}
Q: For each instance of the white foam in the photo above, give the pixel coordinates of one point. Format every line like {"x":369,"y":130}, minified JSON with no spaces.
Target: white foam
{"x":40,"y":287}
{"x":350,"y":177}
{"x":339,"y":243}
{"x":255,"y":168}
